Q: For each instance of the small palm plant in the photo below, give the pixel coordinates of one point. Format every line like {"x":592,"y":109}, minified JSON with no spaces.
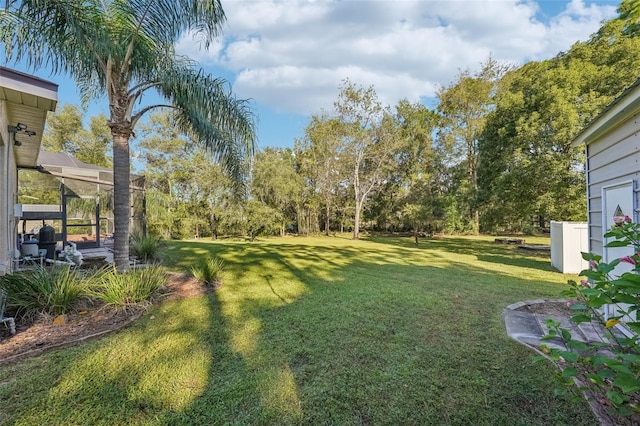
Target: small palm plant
{"x":208,"y":270}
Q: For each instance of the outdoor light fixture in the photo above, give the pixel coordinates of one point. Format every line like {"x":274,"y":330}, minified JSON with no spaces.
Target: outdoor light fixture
{"x":20,"y":127}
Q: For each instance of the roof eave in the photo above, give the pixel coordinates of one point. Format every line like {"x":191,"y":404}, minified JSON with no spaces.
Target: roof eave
{"x":28,"y":99}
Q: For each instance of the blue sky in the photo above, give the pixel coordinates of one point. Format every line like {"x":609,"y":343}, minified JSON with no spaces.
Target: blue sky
{"x":289,"y":57}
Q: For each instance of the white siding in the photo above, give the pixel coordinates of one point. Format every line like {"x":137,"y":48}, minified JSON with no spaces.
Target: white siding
{"x":8,"y":192}
{"x":626,"y":148}
{"x":626,"y":168}
{"x":611,"y":159}
{"x":619,"y":133}
{"x":613,"y":163}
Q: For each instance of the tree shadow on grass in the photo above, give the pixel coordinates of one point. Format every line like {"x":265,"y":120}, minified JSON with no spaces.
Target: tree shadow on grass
{"x":301,"y":334}
{"x":151,"y":372}
{"x":456,"y":245}
{"x":486,"y":251}
{"x":543,"y":264}
{"x":370,"y":343}
{"x":376,"y":345}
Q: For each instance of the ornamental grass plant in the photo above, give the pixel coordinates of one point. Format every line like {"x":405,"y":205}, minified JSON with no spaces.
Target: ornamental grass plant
{"x":145,"y":247}
{"x":126,"y":289}
{"x":42,"y":291}
{"x":207,"y":270}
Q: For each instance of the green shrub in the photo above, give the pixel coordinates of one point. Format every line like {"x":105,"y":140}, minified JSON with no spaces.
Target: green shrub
{"x":146,"y":247}
{"x":40,"y":290}
{"x":208,"y":271}
{"x":612,"y":367}
{"x":127,"y":289}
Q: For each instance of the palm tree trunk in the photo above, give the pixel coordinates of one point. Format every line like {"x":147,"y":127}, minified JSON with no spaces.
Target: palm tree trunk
{"x":121,"y":208}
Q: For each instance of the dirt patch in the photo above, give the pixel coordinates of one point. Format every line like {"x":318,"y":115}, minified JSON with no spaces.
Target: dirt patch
{"x":85,"y":323}
{"x":555,"y":309}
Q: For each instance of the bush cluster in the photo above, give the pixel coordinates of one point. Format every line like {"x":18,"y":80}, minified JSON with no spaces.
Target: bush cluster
{"x":612,"y":367}
{"x":125,"y":289}
{"x":55,"y":290}
{"x":40,"y":290}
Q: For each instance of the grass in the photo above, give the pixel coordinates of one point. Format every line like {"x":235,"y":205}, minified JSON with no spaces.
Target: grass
{"x":315,"y":331}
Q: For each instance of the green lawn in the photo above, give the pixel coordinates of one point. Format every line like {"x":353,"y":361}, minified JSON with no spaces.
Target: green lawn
{"x":315,"y":331}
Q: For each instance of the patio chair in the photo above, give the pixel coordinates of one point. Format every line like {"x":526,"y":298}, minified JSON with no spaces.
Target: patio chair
{"x":3,"y":319}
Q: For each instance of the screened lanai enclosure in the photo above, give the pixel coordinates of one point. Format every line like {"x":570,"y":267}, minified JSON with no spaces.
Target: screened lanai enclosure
{"x":74,"y":198}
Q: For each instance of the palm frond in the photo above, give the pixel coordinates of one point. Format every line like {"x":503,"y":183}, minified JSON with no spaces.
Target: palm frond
{"x":208,"y":111}
{"x":165,"y":21}
{"x":81,"y":37}
{"x":64,"y":35}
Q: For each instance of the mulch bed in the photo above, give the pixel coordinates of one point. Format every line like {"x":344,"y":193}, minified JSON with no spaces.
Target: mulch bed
{"x":85,"y":323}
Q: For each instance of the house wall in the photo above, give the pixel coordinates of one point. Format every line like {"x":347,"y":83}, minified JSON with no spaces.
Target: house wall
{"x":611,"y":159}
{"x":26,"y":100}
{"x":8,"y":194}
{"x":3,"y":187}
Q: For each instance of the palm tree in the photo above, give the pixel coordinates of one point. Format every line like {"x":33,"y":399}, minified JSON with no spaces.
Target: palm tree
{"x":125,"y":49}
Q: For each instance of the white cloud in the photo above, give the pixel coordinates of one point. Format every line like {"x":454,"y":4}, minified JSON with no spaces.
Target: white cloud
{"x":292,"y":55}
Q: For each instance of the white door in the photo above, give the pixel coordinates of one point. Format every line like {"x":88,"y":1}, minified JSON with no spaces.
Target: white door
{"x":617,"y":202}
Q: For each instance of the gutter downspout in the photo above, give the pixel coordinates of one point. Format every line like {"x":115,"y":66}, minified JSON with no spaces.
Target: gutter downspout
{"x":6,"y":263}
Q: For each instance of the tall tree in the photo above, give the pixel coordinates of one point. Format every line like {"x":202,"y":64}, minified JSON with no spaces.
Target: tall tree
{"x":527,"y":166}
{"x":65,"y":132}
{"x":276,"y":184}
{"x":405,"y":181}
{"x":188,"y":193}
{"x":62,"y":129}
{"x":414,"y":174}
{"x":320,"y":152}
{"x":123,"y":49}
{"x":464,"y":107}
{"x":164,"y":153}
{"x":369,"y":142}
{"x":94,"y":144}
{"x":629,"y":11}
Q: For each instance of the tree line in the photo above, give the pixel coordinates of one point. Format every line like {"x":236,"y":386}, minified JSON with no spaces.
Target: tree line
{"x":494,"y":155}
